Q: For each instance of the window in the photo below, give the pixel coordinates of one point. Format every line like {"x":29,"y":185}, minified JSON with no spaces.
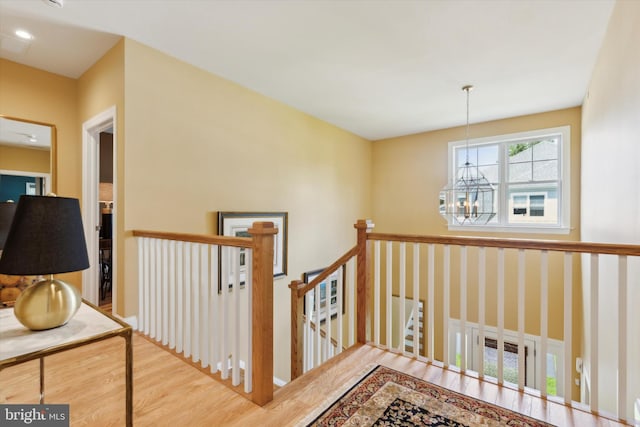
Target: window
{"x":530,"y":174}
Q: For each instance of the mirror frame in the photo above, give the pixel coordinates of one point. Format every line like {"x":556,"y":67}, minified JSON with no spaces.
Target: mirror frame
{"x":53,"y":153}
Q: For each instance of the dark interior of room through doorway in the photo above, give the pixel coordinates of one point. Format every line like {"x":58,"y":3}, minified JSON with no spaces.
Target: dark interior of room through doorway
{"x":105,"y":198}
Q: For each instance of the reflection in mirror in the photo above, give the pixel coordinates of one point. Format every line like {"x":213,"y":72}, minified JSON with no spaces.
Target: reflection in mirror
{"x":27,"y":158}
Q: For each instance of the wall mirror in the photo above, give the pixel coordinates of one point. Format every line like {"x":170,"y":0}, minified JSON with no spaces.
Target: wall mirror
{"x":27,"y":158}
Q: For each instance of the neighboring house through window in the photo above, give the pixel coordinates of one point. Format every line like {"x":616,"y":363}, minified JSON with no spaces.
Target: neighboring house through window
{"x":530,"y":174}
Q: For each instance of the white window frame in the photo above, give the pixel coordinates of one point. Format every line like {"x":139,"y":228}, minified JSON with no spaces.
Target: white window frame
{"x":564,"y":182}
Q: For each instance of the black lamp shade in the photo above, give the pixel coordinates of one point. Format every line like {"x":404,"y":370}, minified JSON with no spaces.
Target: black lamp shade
{"x":46,"y":237}
{"x":7,"y":210}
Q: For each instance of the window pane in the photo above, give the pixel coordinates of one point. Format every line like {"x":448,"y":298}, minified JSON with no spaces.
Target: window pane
{"x":461,"y":156}
{"x":519,"y":152}
{"x":535,"y":204}
{"x":546,"y":149}
{"x":492,"y":173}
{"x":509,"y":358}
{"x":546,"y":170}
{"x":520,"y":172}
{"x":488,"y":155}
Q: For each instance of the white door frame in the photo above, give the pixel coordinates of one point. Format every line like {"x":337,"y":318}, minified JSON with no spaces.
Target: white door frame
{"x":90,"y":212}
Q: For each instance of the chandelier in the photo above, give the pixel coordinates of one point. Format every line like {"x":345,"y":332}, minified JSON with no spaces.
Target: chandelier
{"x":471,"y":198}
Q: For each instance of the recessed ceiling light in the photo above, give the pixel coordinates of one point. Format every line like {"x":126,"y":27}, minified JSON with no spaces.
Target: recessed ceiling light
{"x":24,"y":34}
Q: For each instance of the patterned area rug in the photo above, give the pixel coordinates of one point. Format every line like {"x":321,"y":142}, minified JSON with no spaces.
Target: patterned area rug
{"x":385,"y":397}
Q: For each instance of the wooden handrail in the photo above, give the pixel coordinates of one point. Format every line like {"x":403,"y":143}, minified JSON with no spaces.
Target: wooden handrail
{"x":327,"y":272}
{"x":240,"y":242}
{"x":548,"y":245}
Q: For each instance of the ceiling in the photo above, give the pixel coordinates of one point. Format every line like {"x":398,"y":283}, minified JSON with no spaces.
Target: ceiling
{"x":378,"y":68}
{"x":24,"y":134}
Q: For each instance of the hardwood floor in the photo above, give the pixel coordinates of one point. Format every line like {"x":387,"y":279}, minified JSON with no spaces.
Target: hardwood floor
{"x":170,"y":392}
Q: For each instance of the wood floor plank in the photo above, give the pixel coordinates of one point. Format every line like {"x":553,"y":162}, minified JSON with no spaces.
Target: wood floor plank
{"x":168,"y":391}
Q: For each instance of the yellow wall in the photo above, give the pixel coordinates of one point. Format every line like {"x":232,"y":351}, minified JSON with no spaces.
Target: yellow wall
{"x":611,"y":200}
{"x":197,"y":144}
{"x":24,"y":159}
{"x":32,"y":94}
{"x":100,"y":88}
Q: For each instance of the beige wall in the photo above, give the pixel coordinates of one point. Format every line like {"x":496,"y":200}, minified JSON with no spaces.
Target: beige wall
{"x":37,"y":95}
{"x":611,"y":183}
{"x":33,"y":94}
{"x":197,"y":144}
{"x":100,"y":88}
{"x":408,"y":174}
{"x":24,"y":159}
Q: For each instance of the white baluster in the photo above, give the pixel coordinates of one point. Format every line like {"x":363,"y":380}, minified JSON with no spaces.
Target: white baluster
{"x":593,"y":350}
{"x":147,"y":295}
{"x":482,"y":288}
{"x":248,"y":364}
{"x":205,"y":333}
{"x":235,"y":295}
{"x":172,"y":294}
{"x":214,"y":316}
{"x":463,"y":308}
{"x":351,"y":300}
{"x":340,"y":304}
{"x":403,"y":283}
{"x":152,"y":289}
{"x":622,"y":336}
{"x":544,"y":320}
{"x":157,"y":285}
{"x":568,"y":321}
{"x":141,"y":279}
{"x":195,"y":303}
{"x":521,"y":308}
{"x":180,"y":300}
{"x":389,"y":287}
{"x":318,"y":343}
{"x":445,"y":306}
{"x":224,"y":314}
{"x":188,"y":312}
{"x":165,"y":292}
{"x":430,"y":302}
{"x":376,"y":293}
{"x":500,"y":316}
{"x":416,"y":298}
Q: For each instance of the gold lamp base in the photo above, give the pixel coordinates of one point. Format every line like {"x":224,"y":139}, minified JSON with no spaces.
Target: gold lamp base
{"x":47,"y":304}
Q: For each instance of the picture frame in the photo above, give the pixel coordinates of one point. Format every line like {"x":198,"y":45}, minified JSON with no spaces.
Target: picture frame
{"x":237,"y":224}
{"x":308,"y":276}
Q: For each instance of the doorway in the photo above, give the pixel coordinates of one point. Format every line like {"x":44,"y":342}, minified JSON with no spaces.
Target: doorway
{"x":105,"y":206}
{"x":99,"y":145}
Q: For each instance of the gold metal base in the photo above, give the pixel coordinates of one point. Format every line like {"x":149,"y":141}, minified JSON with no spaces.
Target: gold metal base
{"x":47,"y":304}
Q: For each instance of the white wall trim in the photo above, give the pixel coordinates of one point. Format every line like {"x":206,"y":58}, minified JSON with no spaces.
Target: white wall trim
{"x":90,"y":212}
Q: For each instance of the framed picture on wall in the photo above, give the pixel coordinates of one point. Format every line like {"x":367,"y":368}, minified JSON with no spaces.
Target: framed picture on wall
{"x":237,"y":224}
{"x":328,"y":294}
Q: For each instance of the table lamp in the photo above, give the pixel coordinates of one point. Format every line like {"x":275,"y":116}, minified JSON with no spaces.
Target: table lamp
{"x":46,"y":238}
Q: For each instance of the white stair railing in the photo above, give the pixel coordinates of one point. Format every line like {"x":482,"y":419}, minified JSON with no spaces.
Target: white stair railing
{"x":183,"y":305}
{"x":520,"y":292}
{"x":204,"y":296}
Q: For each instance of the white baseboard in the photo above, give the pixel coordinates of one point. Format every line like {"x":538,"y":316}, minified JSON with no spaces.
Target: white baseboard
{"x":279,"y":382}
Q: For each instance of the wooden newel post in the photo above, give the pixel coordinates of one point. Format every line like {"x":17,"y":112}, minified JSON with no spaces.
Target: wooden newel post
{"x":262,"y":308}
{"x":296,"y":329}
{"x":363,"y":227}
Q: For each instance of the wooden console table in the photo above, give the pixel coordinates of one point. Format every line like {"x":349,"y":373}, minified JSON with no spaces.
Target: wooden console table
{"x":19,"y":344}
